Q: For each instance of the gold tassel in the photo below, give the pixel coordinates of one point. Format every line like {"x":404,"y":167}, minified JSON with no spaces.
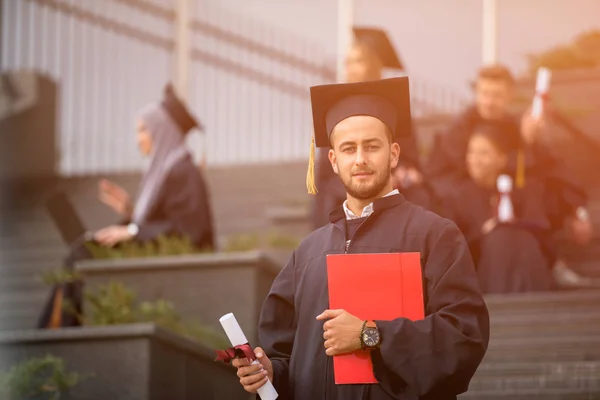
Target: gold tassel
{"x":310,"y":174}
{"x":520,"y":175}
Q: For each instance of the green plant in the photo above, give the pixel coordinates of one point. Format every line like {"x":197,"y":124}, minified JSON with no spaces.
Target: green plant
{"x":115,"y":304}
{"x":60,"y":276}
{"x":43,"y":378}
{"x":243,"y":242}
{"x":254,"y":241}
{"x":282,"y":241}
{"x":163,"y":313}
{"x":162,"y":246}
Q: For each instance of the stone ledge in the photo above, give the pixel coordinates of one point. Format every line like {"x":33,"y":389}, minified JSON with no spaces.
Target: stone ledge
{"x":208,"y":260}
{"x":128,"y":362}
{"x":517,"y":302}
{"x":109,"y":332}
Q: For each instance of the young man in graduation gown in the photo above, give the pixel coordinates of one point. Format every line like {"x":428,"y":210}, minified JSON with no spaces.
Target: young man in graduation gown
{"x":173,"y":200}
{"x":433,"y":358}
{"x":371,"y":52}
{"x":494,"y":91}
{"x":510,"y":255}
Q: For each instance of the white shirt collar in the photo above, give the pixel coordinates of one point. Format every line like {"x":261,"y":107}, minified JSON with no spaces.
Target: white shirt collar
{"x":368,"y":210}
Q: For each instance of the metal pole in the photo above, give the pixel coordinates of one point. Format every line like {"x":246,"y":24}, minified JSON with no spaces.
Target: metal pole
{"x":490,"y":32}
{"x":181,"y":78}
{"x":345,"y":35}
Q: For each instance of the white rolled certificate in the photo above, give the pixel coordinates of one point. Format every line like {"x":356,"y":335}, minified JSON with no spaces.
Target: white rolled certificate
{"x":542,"y":86}
{"x":236,"y":337}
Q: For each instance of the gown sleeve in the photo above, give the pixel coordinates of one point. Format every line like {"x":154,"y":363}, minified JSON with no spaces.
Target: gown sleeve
{"x":443,"y":350}
{"x":277,"y":325}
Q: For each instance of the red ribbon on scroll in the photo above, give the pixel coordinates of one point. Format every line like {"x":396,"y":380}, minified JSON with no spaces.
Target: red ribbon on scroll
{"x":241,"y":351}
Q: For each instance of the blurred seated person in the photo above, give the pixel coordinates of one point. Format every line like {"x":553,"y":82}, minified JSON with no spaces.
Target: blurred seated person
{"x":173,"y":200}
{"x":494,"y":92}
{"x":371,"y":52}
{"x":510,"y":256}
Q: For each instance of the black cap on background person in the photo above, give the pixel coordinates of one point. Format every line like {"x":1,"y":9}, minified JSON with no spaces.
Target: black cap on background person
{"x":178,"y":111}
{"x":372,"y":51}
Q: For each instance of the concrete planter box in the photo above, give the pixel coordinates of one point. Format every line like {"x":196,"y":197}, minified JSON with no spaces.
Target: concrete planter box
{"x":202,"y":287}
{"x":290,"y":220}
{"x":128,"y":362}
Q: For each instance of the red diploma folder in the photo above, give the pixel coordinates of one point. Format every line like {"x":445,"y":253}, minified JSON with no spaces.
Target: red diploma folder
{"x":373,"y":287}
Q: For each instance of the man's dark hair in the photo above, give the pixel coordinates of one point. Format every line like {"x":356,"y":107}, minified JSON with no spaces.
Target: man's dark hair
{"x":496,"y":73}
{"x":503,"y":135}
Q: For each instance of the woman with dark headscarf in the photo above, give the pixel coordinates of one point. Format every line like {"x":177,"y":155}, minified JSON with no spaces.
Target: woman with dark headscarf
{"x":173,"y":199}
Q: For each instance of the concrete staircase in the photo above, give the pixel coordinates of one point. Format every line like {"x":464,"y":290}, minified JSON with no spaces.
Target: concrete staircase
{"x":543,"y":346}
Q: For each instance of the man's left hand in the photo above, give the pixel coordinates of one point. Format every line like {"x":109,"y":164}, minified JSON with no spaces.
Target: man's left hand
{"x":112,"y":235}
{"x":341,"y":332}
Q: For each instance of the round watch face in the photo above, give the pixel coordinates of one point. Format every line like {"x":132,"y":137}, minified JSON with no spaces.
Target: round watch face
{"x":371,"y":337}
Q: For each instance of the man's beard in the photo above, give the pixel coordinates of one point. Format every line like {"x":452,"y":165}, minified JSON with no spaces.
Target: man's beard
{"x":365,"y":191}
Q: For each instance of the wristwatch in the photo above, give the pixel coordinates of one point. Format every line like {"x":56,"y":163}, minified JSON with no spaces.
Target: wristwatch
{"x":133,"y":229}
{"x":369,"y":336}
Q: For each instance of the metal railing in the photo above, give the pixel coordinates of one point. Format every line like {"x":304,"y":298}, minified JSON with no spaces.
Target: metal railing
{"x":249,"y":81}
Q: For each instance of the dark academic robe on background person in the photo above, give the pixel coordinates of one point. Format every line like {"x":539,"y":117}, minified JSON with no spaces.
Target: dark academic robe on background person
{"x":513,"y":257}
{"x":331,"y":193}
{"x":434,"y":358}
{"x":173,"y":201}
{"x":446,"y":167}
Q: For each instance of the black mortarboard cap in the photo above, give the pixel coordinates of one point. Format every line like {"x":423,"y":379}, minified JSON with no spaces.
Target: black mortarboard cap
{"x":387,"y":100}
{"x":379,"y":42}
{"x":177,"y":110}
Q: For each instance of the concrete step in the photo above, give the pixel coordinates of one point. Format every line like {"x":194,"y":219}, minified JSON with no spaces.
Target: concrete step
{"x":532,"y":394}
{"x":542,"y":324}
{"x":31,"y":242}
{"x":550,"y":349}
{"x":26,"y":319}
{"x":511,"y":369}
{"x":24,"y":300}
{"x":19,"y":284}
{"x":532,"y":303}
{"x":539,"y":382}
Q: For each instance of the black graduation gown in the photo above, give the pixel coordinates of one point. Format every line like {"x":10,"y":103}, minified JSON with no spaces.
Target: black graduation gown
{"x":446,"y":166}
{"x":182,"y":208}
{"x":512,"y":257}
{"x":434,"y":358}
{"x":331,"y":193}
{"x":564,"y":193}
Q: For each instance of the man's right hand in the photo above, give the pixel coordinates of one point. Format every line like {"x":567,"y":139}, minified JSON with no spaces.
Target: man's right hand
{"x":115,"y":197}
{"x":253,"y":377}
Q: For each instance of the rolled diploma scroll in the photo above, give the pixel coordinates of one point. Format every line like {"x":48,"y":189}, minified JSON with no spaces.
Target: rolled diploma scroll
{"x":236,"y":337}
{"x":541,"y":89}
